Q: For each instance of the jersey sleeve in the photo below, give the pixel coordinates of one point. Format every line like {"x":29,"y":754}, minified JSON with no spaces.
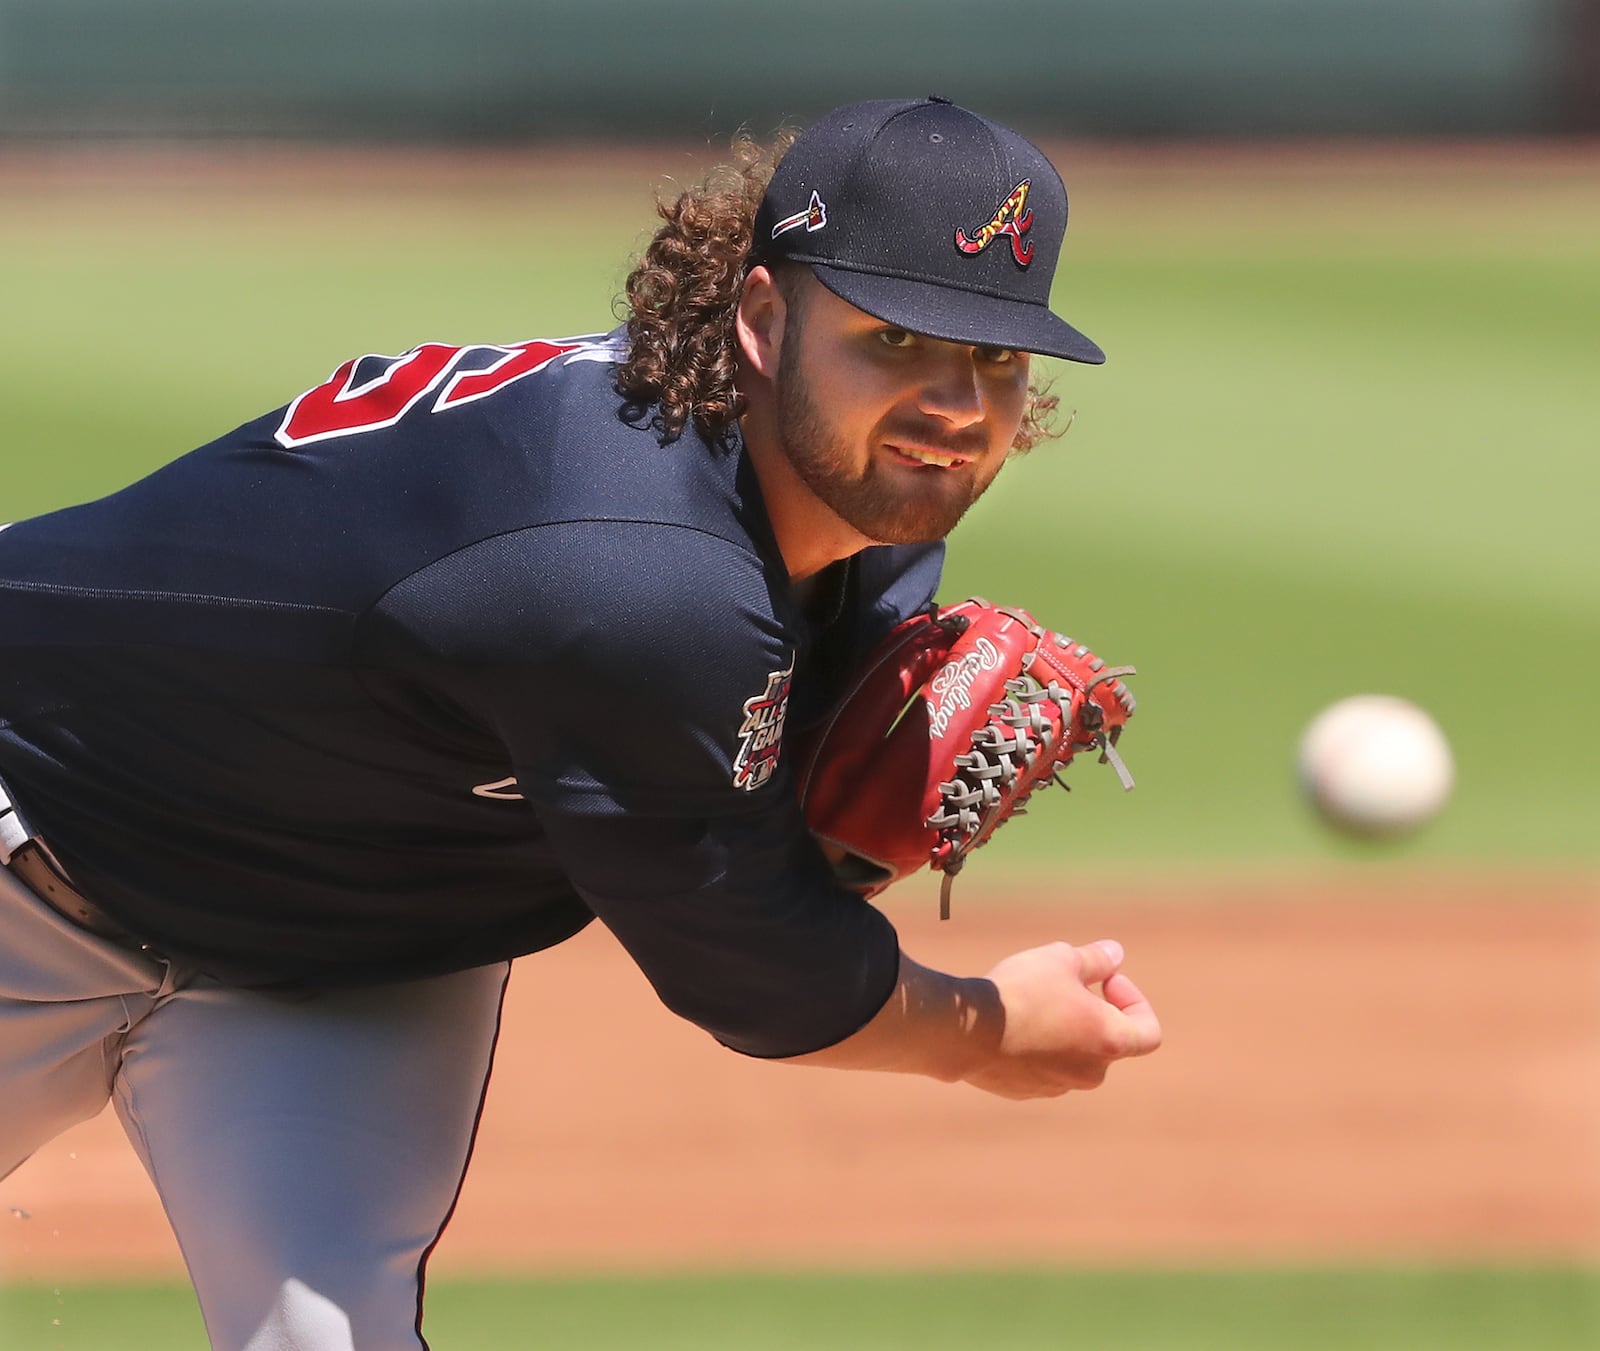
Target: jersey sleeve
{"x":638,"y":676}
{"x":737,"y":923}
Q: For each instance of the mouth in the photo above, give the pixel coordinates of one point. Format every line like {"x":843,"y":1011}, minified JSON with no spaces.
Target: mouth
{"x":930,"y":456}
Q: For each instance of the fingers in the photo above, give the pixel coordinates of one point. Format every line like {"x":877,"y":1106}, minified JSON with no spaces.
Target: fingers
{"x":1137,"y":1030}
{"x":1097,"y":961}
{"x":1142,"y":1027}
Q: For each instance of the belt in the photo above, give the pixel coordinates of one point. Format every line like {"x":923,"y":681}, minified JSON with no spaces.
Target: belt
{"x":30,"y":859}
{"x":34,"y":866}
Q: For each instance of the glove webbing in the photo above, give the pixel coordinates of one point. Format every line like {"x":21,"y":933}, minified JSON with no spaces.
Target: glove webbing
{"x":1010,"y":746}
{"x":969,"y":802}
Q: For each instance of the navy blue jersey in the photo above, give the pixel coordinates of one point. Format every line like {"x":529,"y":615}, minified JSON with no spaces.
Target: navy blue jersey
{"x":431,"y":667}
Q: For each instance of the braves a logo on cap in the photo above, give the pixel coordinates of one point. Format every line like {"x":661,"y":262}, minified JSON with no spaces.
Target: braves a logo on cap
{"x":761,"y":733}
{"x":814,"y":217}
{"x":1014,"y":218}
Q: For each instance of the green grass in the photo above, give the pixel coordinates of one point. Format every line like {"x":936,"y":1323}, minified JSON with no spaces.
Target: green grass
{"x":1359,"y":1310}
{"x":1345,"y":442}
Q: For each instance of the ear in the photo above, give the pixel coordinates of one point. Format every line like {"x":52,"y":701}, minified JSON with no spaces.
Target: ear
{"x":759,"y":322}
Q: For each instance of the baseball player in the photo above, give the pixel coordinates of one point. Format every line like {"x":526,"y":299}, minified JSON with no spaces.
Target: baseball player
{"x":308,"y":734}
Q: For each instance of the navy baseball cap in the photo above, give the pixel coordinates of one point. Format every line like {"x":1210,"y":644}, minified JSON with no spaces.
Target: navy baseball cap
{"x":927,"y":216}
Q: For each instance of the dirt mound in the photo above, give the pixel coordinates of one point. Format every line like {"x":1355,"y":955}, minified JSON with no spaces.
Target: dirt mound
{"x":1414,"y":1074}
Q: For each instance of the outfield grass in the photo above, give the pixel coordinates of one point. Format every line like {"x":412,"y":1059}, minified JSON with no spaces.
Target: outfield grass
{"x":1369,"y":1310}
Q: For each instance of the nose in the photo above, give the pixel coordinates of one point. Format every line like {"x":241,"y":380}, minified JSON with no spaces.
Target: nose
{"x":952,"y":390}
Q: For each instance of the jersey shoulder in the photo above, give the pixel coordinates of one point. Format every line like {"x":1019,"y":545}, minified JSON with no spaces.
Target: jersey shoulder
{"x":388,"y":466}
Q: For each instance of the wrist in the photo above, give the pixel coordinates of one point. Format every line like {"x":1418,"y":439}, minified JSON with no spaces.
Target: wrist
{"x":955,"y":1023}
{"x":934,"y":1024}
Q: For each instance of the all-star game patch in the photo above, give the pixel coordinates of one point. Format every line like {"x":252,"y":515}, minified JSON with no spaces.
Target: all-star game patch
{"x":761,"y":733}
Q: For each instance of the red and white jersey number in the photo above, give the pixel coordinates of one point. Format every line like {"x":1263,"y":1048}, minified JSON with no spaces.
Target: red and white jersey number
{"x":371,"y":392}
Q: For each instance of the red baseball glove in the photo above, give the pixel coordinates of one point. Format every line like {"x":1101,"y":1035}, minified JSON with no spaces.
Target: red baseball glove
{"x":954,"y":721}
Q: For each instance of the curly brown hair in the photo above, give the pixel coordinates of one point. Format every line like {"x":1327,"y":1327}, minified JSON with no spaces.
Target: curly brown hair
{"x":681,"y":297}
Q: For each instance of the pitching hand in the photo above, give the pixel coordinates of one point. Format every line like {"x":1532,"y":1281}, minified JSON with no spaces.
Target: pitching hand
{"x":1059,"y":1031}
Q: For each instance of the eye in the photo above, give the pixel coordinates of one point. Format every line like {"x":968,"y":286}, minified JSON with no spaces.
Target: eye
{"x":896,"y":337}
{"x":997,"y":356}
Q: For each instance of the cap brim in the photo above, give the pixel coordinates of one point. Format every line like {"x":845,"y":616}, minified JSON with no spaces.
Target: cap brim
{"x":960,"y":316}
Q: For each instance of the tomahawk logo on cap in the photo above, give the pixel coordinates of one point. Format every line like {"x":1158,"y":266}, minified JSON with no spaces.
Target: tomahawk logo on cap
{"x":814,"y":217}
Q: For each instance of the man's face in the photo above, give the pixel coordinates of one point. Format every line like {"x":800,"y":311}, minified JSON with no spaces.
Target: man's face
{"x":897,"y":433}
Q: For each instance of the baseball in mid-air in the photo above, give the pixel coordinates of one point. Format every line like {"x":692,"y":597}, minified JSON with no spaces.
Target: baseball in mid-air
{"x":1376,"y":765}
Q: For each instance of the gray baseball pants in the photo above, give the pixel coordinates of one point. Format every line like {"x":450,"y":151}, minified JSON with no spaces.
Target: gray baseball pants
{"x":308,"y":1149}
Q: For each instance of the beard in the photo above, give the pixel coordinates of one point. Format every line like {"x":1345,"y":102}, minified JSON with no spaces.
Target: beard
{"x":890,"y":504}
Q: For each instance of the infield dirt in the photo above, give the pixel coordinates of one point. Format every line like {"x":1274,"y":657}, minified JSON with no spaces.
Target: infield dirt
{"x":1407,"y":1071}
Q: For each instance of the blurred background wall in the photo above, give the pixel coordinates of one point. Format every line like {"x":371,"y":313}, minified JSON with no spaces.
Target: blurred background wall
{"x":514,"y":70}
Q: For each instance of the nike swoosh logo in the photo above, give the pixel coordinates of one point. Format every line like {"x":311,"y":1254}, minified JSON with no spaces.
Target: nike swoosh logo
{"x":501,"y":790}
